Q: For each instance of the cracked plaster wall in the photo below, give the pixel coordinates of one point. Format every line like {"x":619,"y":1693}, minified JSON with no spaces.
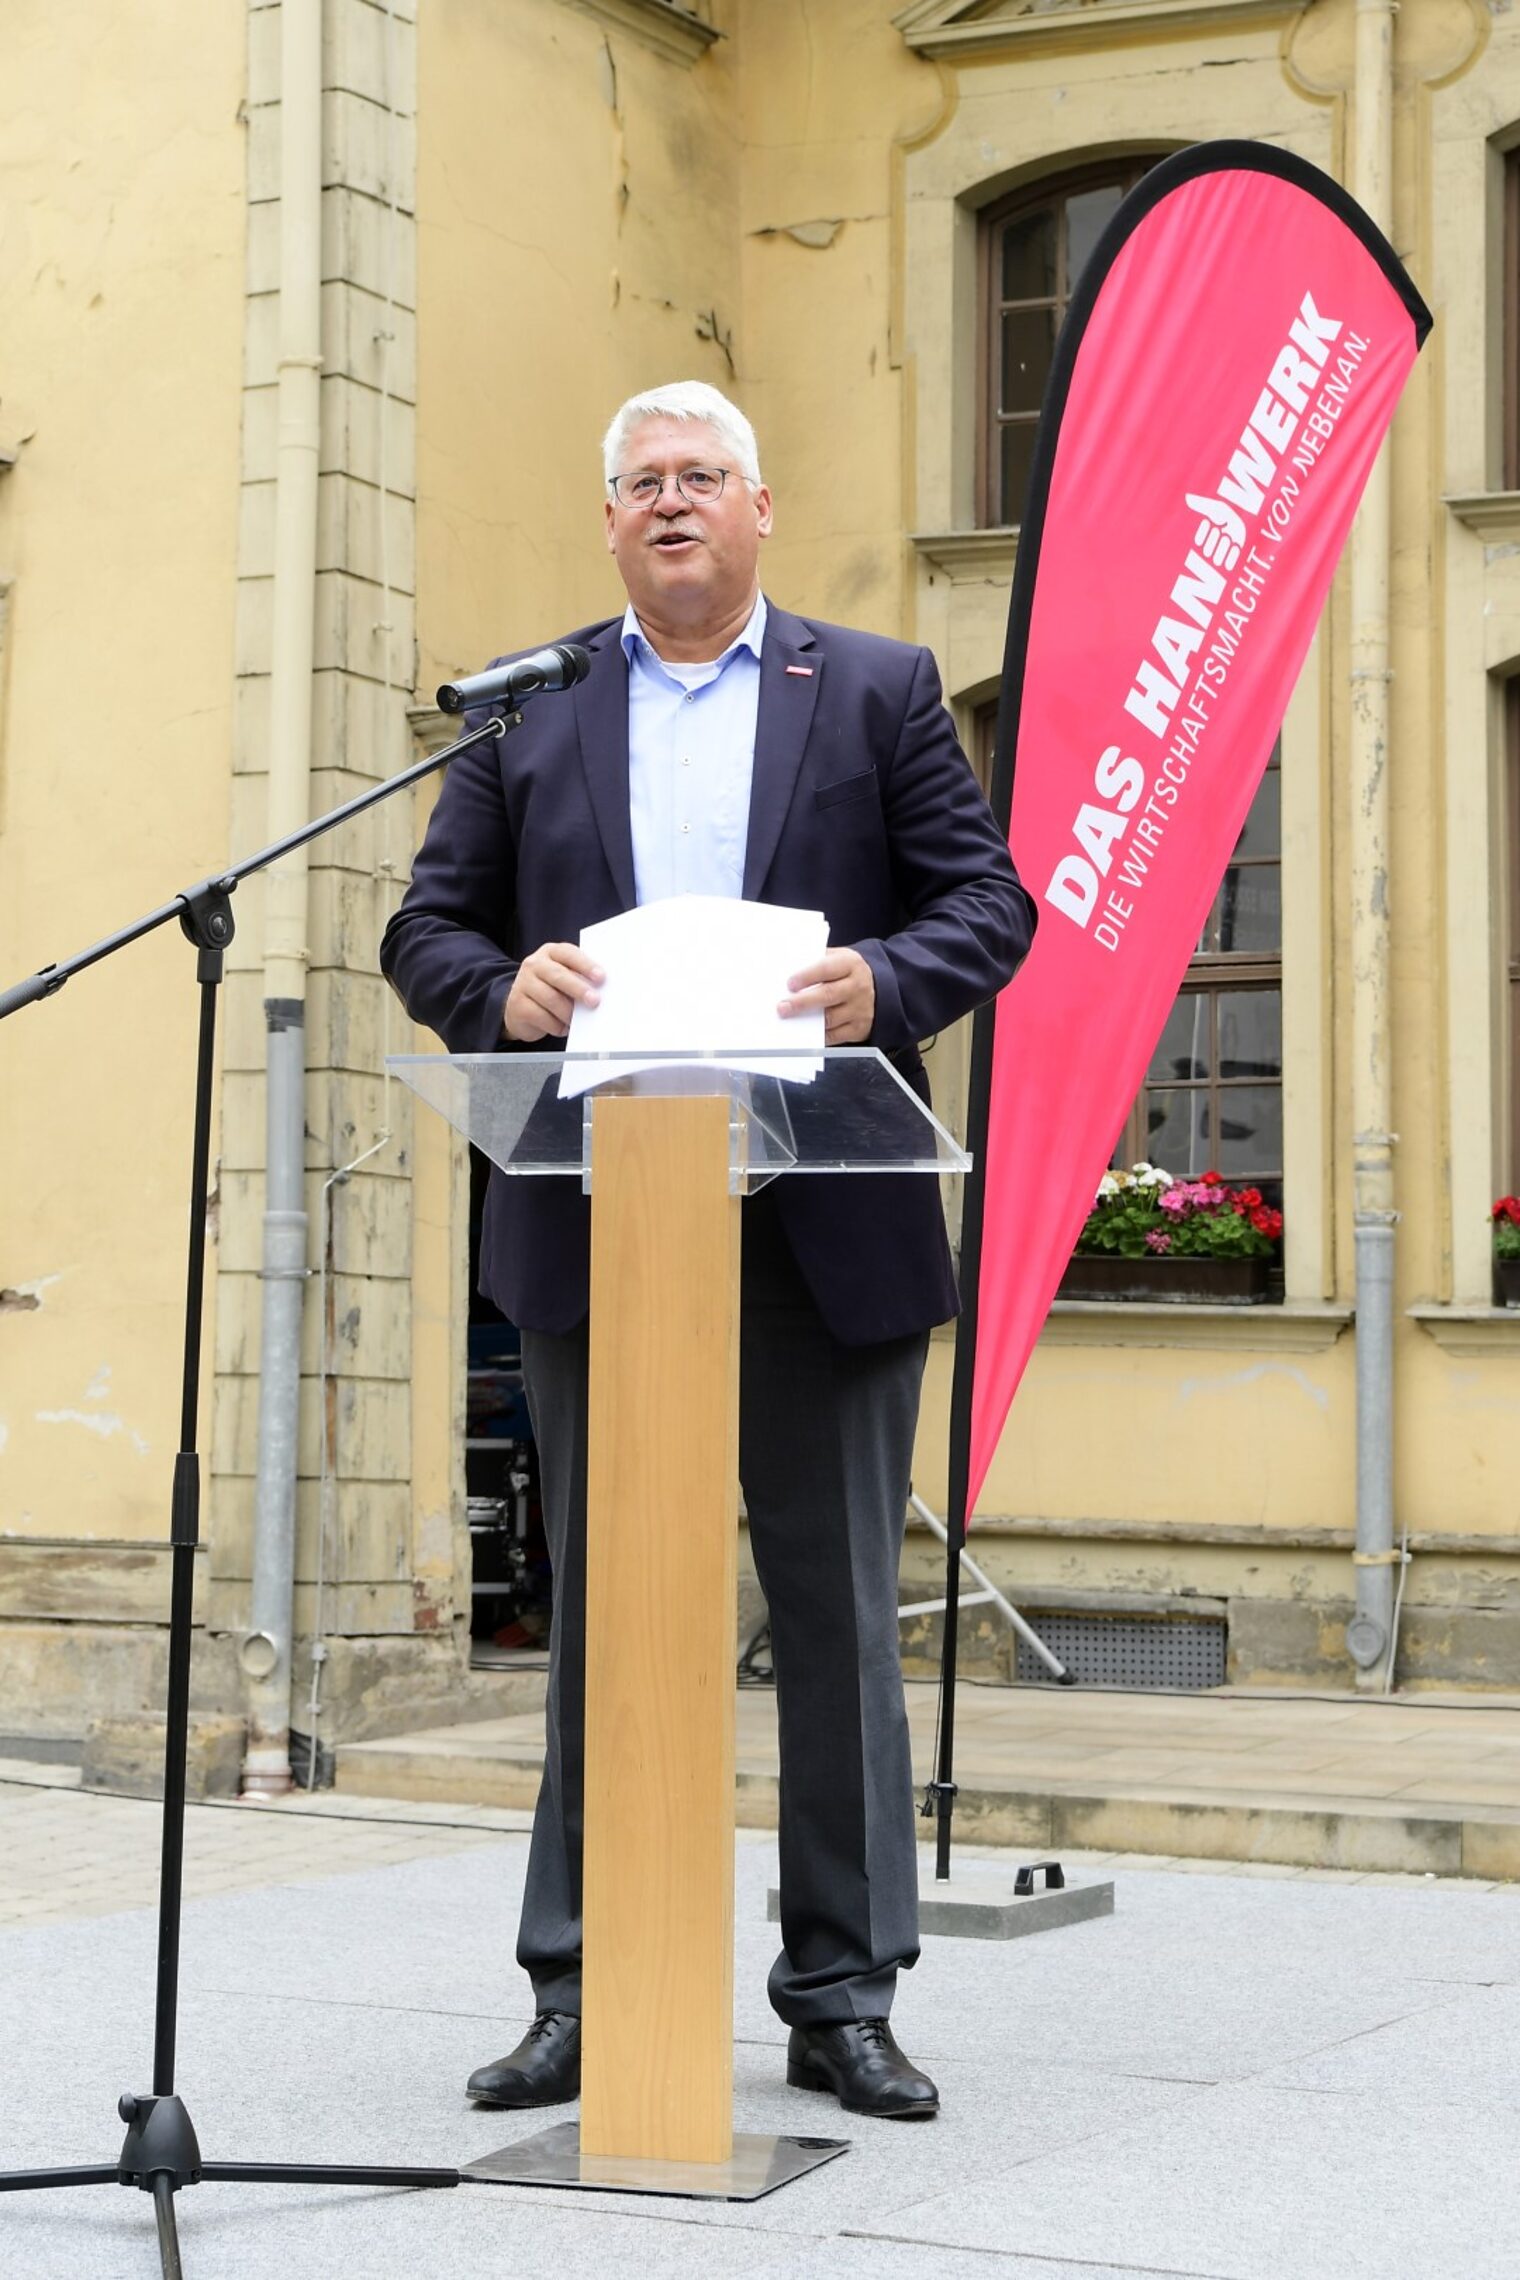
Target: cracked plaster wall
{"x":121,"y":310}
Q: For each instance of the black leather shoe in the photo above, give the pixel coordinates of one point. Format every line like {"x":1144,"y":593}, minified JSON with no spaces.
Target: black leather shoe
{"x":544,"y":2070}
{"x":861,"y":2063}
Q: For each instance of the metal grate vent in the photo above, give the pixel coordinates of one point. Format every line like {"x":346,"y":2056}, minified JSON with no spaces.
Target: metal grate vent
{"x":1128,"y":1650}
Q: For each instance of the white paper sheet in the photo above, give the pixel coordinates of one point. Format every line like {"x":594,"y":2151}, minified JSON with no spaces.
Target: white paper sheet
{"x":702,"y":974}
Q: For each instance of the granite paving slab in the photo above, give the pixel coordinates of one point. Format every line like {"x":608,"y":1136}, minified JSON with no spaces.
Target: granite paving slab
{"x":1252,"y":2183}
{"x":1236,"y":2077}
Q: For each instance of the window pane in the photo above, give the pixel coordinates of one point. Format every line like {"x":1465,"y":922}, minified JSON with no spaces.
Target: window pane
{"x":1183,"y":1050}
{"x":1028,"y":338}
{"x":1249,"y":909}
{"x":1250,"y":1033}
{"x":1263,"y":826}
{"x":1175,"y":1131}
{"x":1248,"y":1144}
{"x":1087,"y":216}
{"x":1016,"y":446}
{"x":1029,"y":257}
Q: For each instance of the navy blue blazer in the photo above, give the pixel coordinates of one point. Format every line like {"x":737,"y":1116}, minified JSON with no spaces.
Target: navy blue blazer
{"x":862,"y":805}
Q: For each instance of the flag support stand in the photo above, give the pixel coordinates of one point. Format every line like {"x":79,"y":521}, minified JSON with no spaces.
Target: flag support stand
{"x":986,"y":1594}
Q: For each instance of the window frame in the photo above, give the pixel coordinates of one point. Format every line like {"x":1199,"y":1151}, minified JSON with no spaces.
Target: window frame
{"x":1209,"y":973}
{"x":1509,"y":375}
{"x":1204,"y":979}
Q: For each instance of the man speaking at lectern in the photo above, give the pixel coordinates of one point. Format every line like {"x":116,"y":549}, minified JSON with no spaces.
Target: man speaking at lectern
{"x":719,"y":745}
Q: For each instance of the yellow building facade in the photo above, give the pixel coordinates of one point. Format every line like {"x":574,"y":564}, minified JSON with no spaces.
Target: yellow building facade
{"x":528,"y":209}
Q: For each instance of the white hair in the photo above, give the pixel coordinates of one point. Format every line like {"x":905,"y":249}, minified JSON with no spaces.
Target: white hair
{"x":683,"y":400}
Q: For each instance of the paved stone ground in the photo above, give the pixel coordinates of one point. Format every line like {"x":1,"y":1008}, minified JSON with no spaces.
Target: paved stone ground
{"x":1268,"y":2075}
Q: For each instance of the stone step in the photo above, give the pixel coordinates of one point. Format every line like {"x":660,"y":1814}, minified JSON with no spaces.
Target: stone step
{"x":498,"y":1763}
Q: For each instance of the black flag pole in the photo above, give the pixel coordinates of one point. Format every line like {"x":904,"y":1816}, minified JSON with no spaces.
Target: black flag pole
{"x":941,"y":1794}
{"x":940,"y":1798}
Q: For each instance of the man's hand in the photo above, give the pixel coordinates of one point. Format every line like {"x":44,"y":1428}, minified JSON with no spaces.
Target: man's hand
{"x":550,"y":984}
{"x":844,"y":985}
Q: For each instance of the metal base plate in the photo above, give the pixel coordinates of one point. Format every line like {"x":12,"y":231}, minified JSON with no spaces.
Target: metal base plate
{"x":971,"y":1906}
{"x":553,"y":2157}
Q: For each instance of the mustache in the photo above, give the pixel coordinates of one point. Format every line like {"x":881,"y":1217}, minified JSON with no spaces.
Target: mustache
{"x":673,"y":530}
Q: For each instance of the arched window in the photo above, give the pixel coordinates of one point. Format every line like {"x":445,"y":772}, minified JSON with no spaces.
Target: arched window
{"x":1035,"y":245}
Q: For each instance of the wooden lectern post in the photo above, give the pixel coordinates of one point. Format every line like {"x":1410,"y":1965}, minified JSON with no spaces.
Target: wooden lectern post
{"x":657,"y":2034}
{"x":662,"y":1526}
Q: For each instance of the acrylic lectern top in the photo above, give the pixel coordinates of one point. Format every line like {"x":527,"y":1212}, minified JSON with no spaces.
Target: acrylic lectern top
{"x":843,"y":1110}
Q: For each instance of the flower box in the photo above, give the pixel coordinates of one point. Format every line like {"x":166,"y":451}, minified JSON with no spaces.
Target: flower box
{"x":1154,"y":1237}
{"x":1157,"y":1280}
{"x":1507,"y":1282}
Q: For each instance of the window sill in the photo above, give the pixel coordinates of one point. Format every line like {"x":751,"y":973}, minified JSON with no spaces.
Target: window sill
{"x":1294,"y":1327}
{"x":1470,"y":1330}
{"x":971,"y":557}
{"x":1492,"y":515}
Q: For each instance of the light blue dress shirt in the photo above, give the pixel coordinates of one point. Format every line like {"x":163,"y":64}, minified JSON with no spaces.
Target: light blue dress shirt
{"x":691,"y":754}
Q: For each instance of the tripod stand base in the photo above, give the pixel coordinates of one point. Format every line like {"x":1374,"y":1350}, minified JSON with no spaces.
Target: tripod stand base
{"x":160,"y":2155}
{"x":553,"y":2157}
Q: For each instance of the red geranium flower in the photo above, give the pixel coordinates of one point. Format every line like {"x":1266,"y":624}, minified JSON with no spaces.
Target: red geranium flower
{"x":1212,"y":1179}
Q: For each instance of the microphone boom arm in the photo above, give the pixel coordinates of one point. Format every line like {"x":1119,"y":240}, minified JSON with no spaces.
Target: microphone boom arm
{"x":194,"y":900}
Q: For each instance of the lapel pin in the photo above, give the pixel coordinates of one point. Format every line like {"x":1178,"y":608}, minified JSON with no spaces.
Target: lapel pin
{"x":803,"y":672}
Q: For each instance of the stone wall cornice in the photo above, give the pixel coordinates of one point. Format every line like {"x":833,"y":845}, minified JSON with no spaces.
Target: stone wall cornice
{"x":672,"y":31}
{"x":957,"y":31}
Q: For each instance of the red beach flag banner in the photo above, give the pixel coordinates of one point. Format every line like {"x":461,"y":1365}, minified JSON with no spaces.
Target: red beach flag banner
{"x":1229,"y":366}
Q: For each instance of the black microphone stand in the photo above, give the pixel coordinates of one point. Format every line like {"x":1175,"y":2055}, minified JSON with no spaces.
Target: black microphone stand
{"x":160,"y":2153}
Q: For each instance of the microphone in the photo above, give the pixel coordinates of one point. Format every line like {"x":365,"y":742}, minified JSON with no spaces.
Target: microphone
{"x":558,"y":667}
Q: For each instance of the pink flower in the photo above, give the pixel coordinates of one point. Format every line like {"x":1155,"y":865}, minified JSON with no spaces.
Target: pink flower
{"x":1173,"y":1201}
{"x":1157,"y":1241}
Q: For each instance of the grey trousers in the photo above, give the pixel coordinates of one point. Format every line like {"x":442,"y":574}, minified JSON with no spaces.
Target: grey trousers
{"x":825,"y":1445}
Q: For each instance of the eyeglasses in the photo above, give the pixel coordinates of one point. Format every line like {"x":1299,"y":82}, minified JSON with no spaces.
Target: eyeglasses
{"x":698,"y":486}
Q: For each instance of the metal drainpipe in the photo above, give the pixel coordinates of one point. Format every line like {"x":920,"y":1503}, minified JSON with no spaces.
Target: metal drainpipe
{"x":1368,"y":1635}
{"x":266,"y":1650}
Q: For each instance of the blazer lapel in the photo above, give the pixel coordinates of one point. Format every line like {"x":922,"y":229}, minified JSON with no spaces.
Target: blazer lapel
{"x":784,"y":717}
{"x":601,"y":719}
